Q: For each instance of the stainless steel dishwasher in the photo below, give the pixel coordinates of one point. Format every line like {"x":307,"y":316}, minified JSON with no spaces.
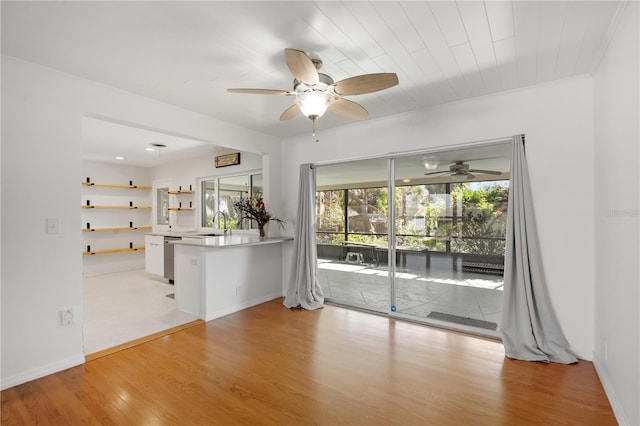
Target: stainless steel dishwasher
{"x":168,"y":257}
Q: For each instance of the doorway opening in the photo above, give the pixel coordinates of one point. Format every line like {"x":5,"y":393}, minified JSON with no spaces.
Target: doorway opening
{"x":121,"y":302}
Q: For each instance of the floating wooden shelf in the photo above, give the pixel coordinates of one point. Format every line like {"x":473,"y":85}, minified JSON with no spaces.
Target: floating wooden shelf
{"x":116,"y":185}
{"x":181,"y":191}
{"x":119,"y":228}
{"x":180,"y":208}
{"x":120,"y":250}
{"x":118,"y":207}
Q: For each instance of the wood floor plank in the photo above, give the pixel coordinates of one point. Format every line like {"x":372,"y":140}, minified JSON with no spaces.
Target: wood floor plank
{"x":272,"y":365}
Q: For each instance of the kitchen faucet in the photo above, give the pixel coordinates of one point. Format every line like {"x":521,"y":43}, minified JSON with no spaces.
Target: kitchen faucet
{"x":224,"y":216}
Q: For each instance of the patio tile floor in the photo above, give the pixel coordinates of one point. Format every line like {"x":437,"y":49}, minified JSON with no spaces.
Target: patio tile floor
{"x":418,"y":292}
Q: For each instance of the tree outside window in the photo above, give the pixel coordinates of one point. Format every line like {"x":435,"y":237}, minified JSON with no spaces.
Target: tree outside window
{"x":468,"y":217}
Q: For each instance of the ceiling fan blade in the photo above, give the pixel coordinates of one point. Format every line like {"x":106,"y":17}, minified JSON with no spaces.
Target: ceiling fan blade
{"x":486,"y":172}
{"x":438,"y":173}
{"x":366,"y":83}
{"x":301,"y":66}
{"x":292,"y":112}
{"x":347,"y":108}
{"x":260,"y":91}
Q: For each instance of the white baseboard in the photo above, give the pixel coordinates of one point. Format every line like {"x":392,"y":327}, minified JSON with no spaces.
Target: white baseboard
{"x":45,"y":370}
{"x":618,"y":411}
{"x":241,"y":306}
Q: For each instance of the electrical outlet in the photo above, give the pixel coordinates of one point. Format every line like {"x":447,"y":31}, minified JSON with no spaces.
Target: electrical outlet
{"x":66,"y":316}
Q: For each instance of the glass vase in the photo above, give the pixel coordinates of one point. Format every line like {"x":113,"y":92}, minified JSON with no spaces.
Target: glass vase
{"x":262,"y":231}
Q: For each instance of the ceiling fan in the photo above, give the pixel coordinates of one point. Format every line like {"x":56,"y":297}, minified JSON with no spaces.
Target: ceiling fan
{"x":460,"y":171}
{"x":315,"y":92}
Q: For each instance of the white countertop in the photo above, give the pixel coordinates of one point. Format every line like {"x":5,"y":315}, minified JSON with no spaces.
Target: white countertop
{"x":221,"y":241}
{"x":182,"y":233}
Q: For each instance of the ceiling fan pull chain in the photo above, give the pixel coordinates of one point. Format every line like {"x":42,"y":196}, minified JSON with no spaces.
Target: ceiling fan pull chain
{"x":315,"y":129}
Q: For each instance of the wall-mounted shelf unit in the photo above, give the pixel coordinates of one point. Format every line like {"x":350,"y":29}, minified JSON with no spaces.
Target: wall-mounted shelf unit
{"x":179,"y":192}
{"x":117,"y":228}
{"x":117,"y":207}
{"x":116,"y":185}
{"x":180,"y":208}
{"x":112,"y":225}
{"x":118,"y":250}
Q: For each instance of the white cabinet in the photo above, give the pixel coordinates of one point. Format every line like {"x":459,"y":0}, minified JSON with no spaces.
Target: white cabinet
{"x":154,"y":254}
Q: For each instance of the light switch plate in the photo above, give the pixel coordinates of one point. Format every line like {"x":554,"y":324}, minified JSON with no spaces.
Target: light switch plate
{"x":53,"y":226}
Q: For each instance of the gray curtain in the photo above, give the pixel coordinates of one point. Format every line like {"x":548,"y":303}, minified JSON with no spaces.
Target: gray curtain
{"x":304,"y":290}
{"x":530,"y":330}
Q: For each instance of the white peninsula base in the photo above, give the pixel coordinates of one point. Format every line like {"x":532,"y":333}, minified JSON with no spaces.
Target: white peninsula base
{"x":216,"y":276}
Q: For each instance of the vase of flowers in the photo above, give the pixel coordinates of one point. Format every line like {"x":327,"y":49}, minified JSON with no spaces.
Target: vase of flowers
{"x":257,"y":211}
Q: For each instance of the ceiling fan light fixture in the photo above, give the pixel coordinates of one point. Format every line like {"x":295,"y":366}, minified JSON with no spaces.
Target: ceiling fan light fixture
{"x":315,"y":91}
{"x":430,"y":162}
{"x":459,"y":177}
{"x":313,"y":102}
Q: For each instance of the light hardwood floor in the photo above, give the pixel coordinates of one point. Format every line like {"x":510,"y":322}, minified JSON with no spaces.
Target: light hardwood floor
{"x":272,"y":365}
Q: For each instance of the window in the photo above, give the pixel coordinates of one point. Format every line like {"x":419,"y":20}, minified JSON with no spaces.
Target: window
{"x":162,"y":206}
{"x":208,"y":203}
{"x":220,"y":195}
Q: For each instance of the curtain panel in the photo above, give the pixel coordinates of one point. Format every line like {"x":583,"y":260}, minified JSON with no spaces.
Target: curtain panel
{"x":304,"y":290}
{"x":529,"y":327}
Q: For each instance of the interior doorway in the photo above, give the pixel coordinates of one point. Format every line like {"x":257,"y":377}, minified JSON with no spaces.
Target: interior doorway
{"x":122,"y":303}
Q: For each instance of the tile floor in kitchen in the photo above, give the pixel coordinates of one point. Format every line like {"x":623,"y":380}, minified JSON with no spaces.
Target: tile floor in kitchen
{"x":124,"y":306}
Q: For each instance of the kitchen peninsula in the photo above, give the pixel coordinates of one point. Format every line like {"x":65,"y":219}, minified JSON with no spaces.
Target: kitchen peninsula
{"x":219,"y":275}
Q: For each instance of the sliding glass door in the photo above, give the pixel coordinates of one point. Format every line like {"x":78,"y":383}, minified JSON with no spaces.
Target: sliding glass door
{"x":449,"y":237}
{"x":352,"y":233}
{"x":418,"y":236}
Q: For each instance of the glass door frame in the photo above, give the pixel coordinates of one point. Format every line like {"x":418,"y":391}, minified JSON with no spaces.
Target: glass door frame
{"x":391,"y":249}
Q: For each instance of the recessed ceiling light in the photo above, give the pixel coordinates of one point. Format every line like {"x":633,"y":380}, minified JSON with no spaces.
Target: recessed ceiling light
{"x":406,"y":180}
{"x":119,"y":158}
{"x":149,"y":149}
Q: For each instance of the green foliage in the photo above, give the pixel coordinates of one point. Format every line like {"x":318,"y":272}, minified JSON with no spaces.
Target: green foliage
{"x":482,"y":228}
{"x":379,"y":240}
{"x":473,"y":220}
{"x":330,"y":211}
{"x":322,"y":238}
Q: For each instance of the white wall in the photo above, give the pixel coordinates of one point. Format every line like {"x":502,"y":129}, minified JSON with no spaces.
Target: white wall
{"x":105,"y":218}
{"x":42,"y":114}
{"x":556,"y":119}
{"x":617,"y":330}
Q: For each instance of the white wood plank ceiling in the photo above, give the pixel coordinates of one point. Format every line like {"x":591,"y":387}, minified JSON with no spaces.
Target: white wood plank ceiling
{"x":188,"y":53}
